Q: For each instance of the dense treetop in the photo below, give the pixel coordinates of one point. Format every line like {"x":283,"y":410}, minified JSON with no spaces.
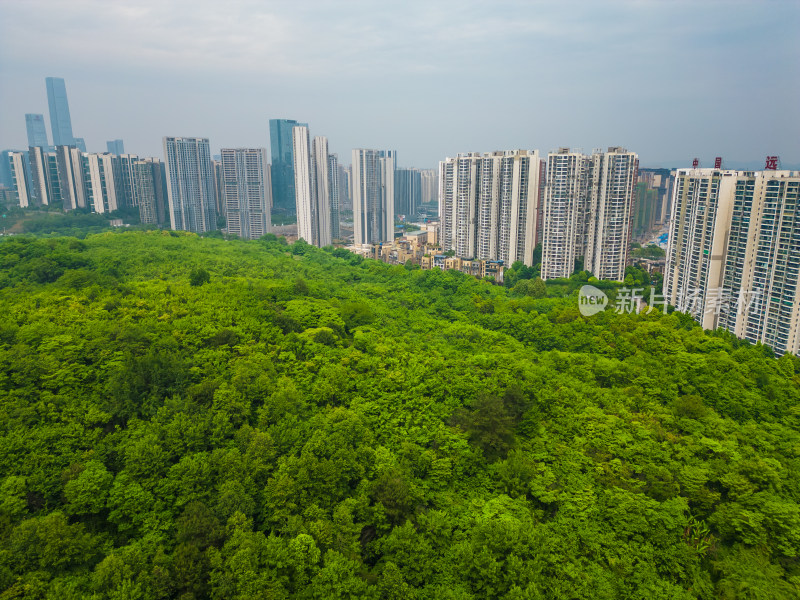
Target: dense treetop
{"x":199,"y":418}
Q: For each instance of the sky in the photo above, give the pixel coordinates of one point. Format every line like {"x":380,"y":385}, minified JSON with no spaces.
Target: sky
{"x":668,"y":79}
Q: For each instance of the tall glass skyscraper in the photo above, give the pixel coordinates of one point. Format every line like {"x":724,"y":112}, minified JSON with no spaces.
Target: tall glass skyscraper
{"x":281,"y":148}
{"x":60,"y":122}
{"x":37,"y":132}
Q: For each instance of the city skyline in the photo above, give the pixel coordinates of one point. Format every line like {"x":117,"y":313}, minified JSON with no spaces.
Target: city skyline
{"x":664,"y":84}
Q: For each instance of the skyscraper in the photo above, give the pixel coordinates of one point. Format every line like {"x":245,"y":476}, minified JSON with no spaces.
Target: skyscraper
{"x":124,"y":177}
{"x":734,"y":253}
{"x":564,"y":212}
{"x":407,"y":191}
{"x":100,"y":185}
{"x":281,"y":147}
{"x":150,"y":189}
{"x":335,"y":194}
{"x":312,"y":187}
{"x":373,"y":195}
{"x":429,"y":183}
{"x":587,"y":212}
{"x":71,"y":177}
{"x":37,"y":132}
{"x":44,"y":177}
{"x":245,"y":191}
{"x":60,"y":122}
{"x":489,"y":204}
{"x":608,"y":235}
{"x":116,"y":147}
{"x":20,"y":177}
{"x":191,"y":187}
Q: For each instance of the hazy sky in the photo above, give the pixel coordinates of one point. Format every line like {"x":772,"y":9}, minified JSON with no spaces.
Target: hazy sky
{"x":668,"y":79}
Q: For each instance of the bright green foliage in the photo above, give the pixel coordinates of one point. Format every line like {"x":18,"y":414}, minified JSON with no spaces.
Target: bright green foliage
{"x":187,"y":417}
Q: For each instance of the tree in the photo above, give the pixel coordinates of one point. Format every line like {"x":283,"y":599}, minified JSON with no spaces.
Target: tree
{"x":198,"y":277}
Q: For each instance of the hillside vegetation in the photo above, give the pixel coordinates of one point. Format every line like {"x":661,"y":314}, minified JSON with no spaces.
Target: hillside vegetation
{"x":198,"y":418}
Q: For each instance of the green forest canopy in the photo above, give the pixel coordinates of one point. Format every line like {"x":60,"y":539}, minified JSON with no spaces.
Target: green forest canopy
{"x":200,"y":418}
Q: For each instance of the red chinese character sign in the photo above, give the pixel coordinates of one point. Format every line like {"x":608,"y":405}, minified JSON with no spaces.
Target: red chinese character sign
{"x":772,"y":163}
{"x":718,"y":162}
{"x":695,"y":163}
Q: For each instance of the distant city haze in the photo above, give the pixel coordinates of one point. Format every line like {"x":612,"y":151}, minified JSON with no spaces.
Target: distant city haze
{"x":669,"y":80}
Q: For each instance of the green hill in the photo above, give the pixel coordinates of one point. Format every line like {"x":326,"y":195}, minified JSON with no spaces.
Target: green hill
{"x":198,"y":418}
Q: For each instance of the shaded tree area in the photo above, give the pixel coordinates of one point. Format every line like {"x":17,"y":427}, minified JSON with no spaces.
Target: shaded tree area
{"x":188,"y":417}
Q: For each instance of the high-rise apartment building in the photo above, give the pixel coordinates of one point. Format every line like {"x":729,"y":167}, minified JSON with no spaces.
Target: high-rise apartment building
{"x":734,"y":253}
{"x":98,"y":174}
{"x":407,"y":191}
{"x":70,"y":176}
{"x":312,"y":187}
{"x":610,"y":216}
{"x":246,"y":192}
{"x":488,"y":205}
{"x":429,"y":186}
{"x":564,"y":212}
{"x":335,"y":194}
{"x":45,"y":182}
{"x":124,"y":174}
{"x":190,"y":184}
{"x":20,"y":178}
{"x":116,"y":147}
{"x":587,"y":212}
{"x":282,"y":171}
{"x":150,"y":189}
{"x":37,"y":131}
{"x":145,"y":185}
{"x":373,"y":195}
{"x":60,"y":121}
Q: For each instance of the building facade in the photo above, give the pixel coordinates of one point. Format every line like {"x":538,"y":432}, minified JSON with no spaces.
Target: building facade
{"x":489,"y":205}
{"x":587,"y":213}
{"x":373,"y":195}
{"x":335,"y":194}
{"x":21,"y":179}
{"x":190,"y":184}
{"x":116,"y":147}
{"x":98,"y":174}
{"x":734,"y":253}
{"x":60,"y":120}
{"x":282,"y":151}
{"x":407,"y":192}
{"x":245,"y":191}
{"x":610,"y":215}
{"x":37,"y":131}
{"x":312,"y":187}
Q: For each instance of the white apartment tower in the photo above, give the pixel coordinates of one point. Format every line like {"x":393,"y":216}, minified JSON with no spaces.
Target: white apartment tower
{"x":734,"y":253}
{"x":100,"y":182}
{"x":373,"y":195}
{"x":335,"y":194}
{"x":312,"y":187}
{"x":70,"y":176}
{"x":610,"y":215}
{"x":20,"y":178}
{"x":564,"y":212}
{"x":588,"y":210}
{"x":488,"y":205}
{"x":245,"y":191}
{"x":190,"y":184}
